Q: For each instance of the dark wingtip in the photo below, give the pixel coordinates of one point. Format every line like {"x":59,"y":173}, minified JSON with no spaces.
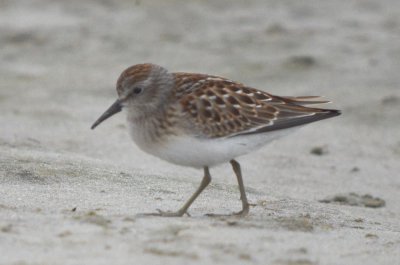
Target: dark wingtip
{"x":326,"y":114}
{"x":334,"y":112}
{"x":320,"y":114}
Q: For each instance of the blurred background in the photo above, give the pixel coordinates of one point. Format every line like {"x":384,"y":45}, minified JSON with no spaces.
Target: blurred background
{"x":59,"y":61}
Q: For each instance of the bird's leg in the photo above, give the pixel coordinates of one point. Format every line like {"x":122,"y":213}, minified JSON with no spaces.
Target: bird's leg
{"x":243,"y":198}
{"x":204,"y":183}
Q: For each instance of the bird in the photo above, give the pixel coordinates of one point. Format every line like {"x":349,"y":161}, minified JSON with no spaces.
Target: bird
{"x":200,"y":120}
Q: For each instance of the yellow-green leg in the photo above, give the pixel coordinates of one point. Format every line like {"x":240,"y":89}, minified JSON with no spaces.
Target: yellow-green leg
{"x":204,"y":183}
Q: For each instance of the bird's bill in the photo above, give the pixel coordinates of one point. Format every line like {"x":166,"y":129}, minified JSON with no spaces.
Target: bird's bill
{"x":113,"y":109}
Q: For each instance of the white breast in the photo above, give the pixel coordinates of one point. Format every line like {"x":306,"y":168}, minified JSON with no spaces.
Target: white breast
{"x":195,"y":152}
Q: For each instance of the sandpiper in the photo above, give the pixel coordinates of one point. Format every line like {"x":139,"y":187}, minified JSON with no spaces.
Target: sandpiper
{"x":201,"y":120}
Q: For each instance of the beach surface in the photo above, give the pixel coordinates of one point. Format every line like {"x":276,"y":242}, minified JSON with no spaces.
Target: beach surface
{"x":326,"y":194}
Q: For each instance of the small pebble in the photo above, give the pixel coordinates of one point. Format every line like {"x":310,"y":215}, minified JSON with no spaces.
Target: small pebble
{"x":319,"y":150}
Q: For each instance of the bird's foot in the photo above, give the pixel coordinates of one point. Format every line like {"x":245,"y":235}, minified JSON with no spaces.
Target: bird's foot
{"x":161,"y":213}
{"x":242,"y":213}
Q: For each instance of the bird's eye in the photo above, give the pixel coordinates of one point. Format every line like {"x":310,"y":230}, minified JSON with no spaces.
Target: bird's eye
{"x":137,"y":90}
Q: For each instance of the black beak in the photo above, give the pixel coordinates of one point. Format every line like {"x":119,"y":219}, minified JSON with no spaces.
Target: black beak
{"x":114,"y":109}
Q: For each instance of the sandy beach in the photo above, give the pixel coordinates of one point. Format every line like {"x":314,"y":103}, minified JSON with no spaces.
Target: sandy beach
{"x":326,"y":194}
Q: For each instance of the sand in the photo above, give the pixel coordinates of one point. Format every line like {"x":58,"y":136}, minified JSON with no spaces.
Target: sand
{"x":326,"y":194}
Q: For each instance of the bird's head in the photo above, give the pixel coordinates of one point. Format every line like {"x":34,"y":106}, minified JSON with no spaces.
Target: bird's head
{"x":141,"y":89}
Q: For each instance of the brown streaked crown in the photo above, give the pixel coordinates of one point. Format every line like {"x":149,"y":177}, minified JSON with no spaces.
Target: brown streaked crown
{"x":135,"y":73}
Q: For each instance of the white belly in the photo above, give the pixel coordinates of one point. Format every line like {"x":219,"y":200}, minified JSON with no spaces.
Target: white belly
{"x":195,"y":152}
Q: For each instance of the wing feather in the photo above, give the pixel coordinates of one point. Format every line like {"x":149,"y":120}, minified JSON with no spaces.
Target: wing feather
{"x":222,"y":108}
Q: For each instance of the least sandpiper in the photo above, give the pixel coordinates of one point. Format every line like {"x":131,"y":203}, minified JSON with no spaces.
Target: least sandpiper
{"x":201,"y":120}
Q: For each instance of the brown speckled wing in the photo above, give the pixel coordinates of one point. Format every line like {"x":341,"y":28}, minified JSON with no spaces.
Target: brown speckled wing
{"x":223,"y":108}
